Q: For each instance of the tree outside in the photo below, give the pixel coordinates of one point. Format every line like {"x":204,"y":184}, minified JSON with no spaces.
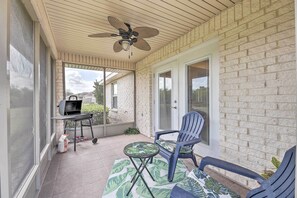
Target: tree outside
{"x":98,"y":92}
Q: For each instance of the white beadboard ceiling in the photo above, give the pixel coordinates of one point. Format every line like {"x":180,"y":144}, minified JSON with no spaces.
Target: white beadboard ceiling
{"x":72,"y":21}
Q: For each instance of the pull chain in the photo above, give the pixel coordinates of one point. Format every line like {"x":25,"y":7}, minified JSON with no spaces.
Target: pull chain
{"x":130,"y":52}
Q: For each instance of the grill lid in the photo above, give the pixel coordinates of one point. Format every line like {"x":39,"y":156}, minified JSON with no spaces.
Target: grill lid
{"x":70,"y":107}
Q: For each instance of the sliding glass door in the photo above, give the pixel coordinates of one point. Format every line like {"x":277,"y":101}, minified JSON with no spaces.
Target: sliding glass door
{"x":189,"y":82}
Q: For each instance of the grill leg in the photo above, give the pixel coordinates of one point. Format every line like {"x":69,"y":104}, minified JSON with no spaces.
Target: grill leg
{"x":81,"y":129}
{"x":65,"y":126}
{"x":74,"y":140}
{"x":91,"y":128}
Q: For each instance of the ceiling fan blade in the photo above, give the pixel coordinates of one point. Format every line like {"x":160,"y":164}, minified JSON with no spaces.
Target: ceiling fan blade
{"x":117,"y":47}
{"x":116,"y":23}
{"x":146,"y":32}
{"x":103,"y":35}
{"x":142,"y":44}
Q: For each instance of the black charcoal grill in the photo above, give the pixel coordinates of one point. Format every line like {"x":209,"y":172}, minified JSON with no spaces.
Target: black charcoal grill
{"x":70,"y":111}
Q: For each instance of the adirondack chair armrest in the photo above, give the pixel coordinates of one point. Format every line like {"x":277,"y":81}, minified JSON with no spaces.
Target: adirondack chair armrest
{"x":230,"y":167}
{"x":159,"y":133}
{"x":190,"y":142}
{"x":179,"y":145}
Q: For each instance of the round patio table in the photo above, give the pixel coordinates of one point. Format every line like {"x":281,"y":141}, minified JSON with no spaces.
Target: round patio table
{"x":143,"y":151}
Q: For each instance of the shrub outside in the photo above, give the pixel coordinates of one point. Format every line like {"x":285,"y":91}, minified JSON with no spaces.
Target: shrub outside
{"x":97,"y":111}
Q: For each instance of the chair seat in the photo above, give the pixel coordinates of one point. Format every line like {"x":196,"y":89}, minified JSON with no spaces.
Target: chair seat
{"x":199,"y":184}
{"x":170,"y":145}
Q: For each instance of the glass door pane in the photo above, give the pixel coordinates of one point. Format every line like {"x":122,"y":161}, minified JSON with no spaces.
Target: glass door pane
{"x":165,"y":87}
{"x":198,"y":93}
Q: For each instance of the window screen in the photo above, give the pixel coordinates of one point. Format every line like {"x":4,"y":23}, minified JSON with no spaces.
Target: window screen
{"x":21,"y":137}
{"x":43,"y":98}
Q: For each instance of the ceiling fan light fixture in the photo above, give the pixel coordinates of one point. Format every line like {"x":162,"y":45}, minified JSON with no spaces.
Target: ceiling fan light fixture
{"x":125,"y":45}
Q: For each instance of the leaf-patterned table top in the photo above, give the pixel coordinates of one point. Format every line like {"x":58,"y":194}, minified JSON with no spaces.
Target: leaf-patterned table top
{"x":141,"y":150}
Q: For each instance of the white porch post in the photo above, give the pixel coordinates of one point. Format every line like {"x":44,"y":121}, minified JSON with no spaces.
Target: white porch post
{"x":4,"y":99}
{"x":37,"y":99}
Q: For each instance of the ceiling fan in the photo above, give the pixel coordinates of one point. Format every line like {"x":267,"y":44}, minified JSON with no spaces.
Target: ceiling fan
{"x":129,"y":36}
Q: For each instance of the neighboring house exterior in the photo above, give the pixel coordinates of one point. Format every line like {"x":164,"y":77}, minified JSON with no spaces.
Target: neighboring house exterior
{"x":85,"y":97}
{"x":120,"y":98}
{"x":251,"y":53}
{"x":89,"y":98}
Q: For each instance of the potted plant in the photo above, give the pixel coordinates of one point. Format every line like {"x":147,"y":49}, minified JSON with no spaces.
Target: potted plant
{"x":268,"y":173}
{"x":132,"y":131}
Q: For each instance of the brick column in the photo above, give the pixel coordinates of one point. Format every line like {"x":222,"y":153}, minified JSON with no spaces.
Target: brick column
{"x":59,"y":95}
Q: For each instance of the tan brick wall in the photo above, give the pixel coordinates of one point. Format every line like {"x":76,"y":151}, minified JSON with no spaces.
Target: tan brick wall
{"x":59,"y":96}
{"x":143,"y":100}
{"x":257,"y":80}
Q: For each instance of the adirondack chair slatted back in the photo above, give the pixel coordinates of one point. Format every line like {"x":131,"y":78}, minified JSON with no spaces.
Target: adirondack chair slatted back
{"x":282,"y":182}
{"x":191,"y":127}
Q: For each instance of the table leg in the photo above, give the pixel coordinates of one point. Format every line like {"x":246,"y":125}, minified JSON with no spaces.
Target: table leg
{"x":142,"y":167}
{"x":149,"y":171}
{"x":137,"y":172}
{"x":146,"y":170}
{"x":137,"y":169}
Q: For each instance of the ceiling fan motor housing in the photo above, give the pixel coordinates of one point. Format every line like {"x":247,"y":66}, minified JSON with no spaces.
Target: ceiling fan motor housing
{"x":129,"y":35}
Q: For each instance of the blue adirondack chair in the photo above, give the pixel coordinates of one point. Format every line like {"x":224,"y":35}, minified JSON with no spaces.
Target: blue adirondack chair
{"x":188,"y":136}
{"x":280,"y":184}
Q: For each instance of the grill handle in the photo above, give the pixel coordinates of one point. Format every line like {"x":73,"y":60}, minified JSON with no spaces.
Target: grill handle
{"x":72,"y":96}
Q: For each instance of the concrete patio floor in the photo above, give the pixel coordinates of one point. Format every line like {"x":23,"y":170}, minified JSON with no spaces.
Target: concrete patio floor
{"x":84,"y":173}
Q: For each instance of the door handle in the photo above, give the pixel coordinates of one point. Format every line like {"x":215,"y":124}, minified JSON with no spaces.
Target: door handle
{"x":174,"y":107}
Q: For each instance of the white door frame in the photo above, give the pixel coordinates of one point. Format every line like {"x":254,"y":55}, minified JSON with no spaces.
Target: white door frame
{"x":207,"y":50}
{"x":4,"y":100}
